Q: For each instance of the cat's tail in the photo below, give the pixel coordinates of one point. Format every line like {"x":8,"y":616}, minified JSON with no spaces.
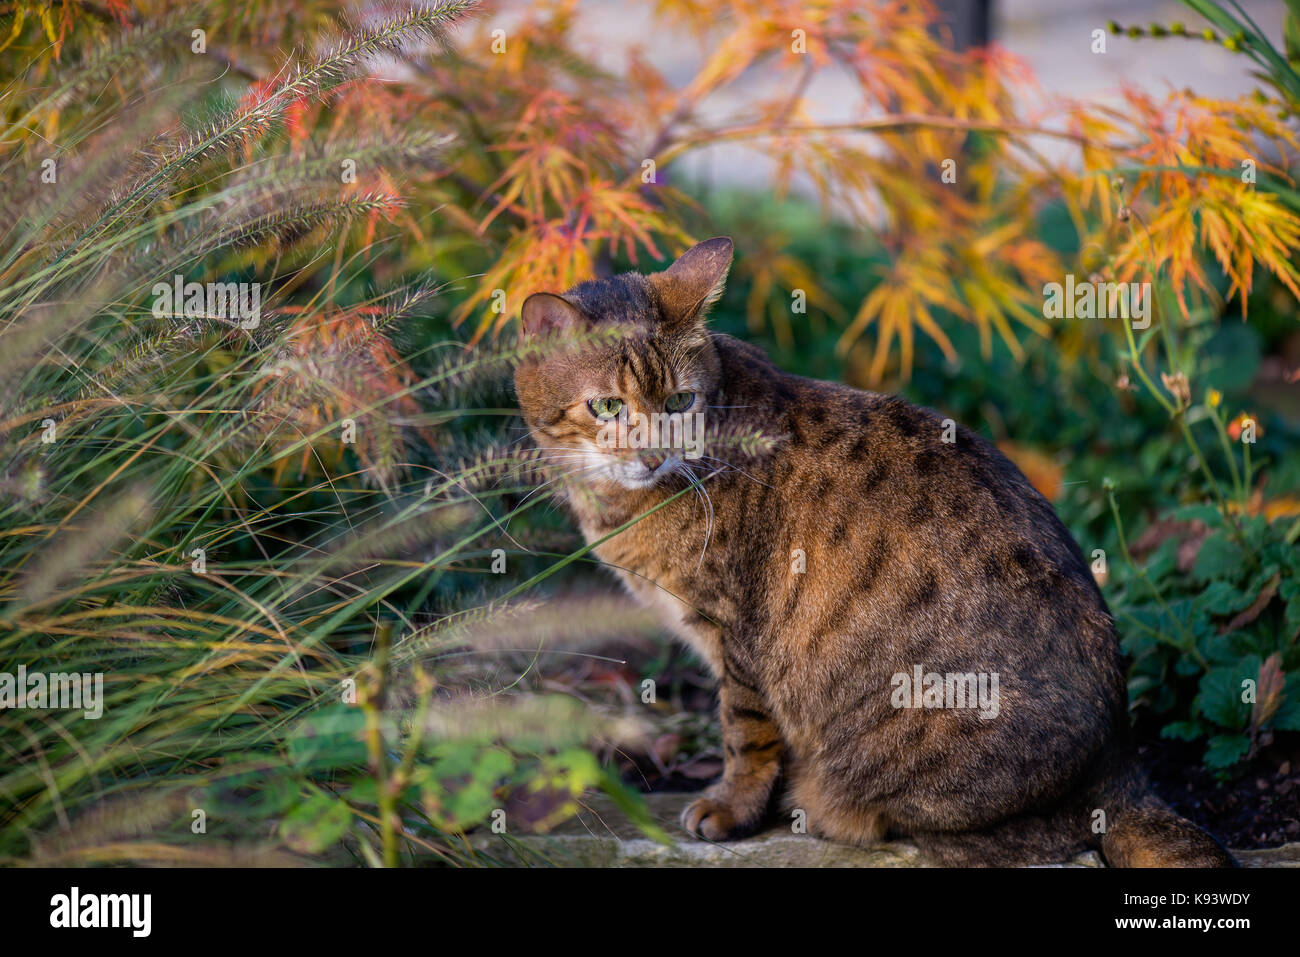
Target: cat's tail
{"x":1142,"y":831}
{"x":1117,"y":814}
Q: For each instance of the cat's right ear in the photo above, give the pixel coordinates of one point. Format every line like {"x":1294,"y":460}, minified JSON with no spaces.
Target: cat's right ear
{"x":547,"y":314}
{"x":694,"y":282}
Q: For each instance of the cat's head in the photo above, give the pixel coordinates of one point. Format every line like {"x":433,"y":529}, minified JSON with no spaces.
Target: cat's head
{"x":623,"y":352}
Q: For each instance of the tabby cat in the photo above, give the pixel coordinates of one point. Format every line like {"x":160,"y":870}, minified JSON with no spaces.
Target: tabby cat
{"x":906,"y":638}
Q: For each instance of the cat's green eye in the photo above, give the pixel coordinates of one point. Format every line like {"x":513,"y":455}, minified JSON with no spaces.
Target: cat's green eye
{"x":605,"y":408}
{"x":680,"y":402}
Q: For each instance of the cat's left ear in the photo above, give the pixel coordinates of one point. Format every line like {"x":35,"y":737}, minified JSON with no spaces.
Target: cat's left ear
{"x":547,"y":313}
{"x":694,"y":282}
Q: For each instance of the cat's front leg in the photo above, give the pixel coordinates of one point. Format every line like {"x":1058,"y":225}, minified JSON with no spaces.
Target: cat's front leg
{"x":753,"y":747}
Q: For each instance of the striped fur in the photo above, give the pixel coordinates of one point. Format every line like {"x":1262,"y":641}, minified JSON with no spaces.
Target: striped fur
{"x":916,"y":552}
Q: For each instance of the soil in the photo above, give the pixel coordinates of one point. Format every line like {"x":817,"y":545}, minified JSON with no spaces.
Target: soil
{"x":1258,"y":807}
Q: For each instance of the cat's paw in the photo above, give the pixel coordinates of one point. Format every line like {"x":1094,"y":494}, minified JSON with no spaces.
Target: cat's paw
{"x":709,"y":819}
{"x":712,"y":818}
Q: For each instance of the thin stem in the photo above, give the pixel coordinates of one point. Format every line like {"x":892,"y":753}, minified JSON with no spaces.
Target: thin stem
{"x":1228,"y":454}
{"x":372,"y":705}
{"x":1188,"y":643}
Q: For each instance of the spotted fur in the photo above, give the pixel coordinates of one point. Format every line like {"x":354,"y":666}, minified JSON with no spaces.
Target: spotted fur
{"x":916,"y":551}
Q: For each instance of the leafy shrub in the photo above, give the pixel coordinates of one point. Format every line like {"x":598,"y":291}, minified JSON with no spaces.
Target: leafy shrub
{"x":271,"y":607}
{"x":1211,"y":621}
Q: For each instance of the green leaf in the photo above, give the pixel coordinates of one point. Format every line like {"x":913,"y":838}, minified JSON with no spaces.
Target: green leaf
{"x":1222,"y":598}
{"x":315,"y":824}
{"x":455,"y":759}
{"x":1219,"y":696}
{"x":365,"y":791}
{"x":1287,"y":716}
{"x":1163,"y":561}
{"x":632,"y":804}
{"x":1257,"y":532}
{"x":1182,"y":731}
{"x":1208,"y":514}
{"x":263,"y":792}
{"x":1225,"y":750}
{"x":472,"y":804}
{"x":1219,"y":557}
{"x":492,"y":765}
{"x":1220,"y":650}
{"x":1290,"y":592}
{"x":329,"y":738}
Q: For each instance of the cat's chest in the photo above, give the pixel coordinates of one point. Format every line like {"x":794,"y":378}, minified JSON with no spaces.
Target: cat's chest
{"x":660,"y":564}
{"x":672,"y":549}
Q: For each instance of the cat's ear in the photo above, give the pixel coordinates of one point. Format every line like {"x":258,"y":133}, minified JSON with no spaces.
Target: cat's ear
{"x":689,"y":286}
{"x":544,"y":313}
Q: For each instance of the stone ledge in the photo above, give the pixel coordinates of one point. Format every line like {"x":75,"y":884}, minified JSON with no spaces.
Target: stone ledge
{"x":601,"y":836}
{"x":1288,"y":855}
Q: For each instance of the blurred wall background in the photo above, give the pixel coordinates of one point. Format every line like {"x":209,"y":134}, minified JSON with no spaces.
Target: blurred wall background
{"x":1053,"y":37}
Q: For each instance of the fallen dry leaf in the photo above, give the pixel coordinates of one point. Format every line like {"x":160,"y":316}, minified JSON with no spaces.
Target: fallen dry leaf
{"x":1268,"y":691}
{"x":1258,"y":605}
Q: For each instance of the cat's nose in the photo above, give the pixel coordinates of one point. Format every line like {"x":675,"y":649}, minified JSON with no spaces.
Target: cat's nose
{"x":654,"y":458}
